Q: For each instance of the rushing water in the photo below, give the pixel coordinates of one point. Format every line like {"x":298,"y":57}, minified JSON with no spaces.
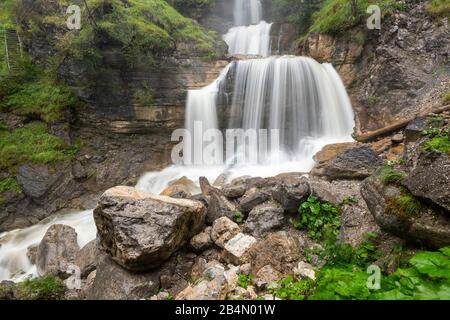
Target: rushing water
{"x":250,"y":35}
{"x":304,"y":100}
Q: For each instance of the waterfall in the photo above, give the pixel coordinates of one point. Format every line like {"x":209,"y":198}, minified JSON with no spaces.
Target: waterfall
{"x":303,"y":99}
{"x":251,"y":35}
{"x":247,"y":12}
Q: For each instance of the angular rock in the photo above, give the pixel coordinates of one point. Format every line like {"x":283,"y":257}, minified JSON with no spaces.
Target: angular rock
{"x":414,"y":130}
{"x":234,"y":191}
{"x":218,"y":204}
{"x":430,"y":178}
{"x":177,"y":191}
{"x":251,"y":199}
{"x":112,"y":282}
{"x":305,"y":270}
{"x":291,"y":193}
{"x":141,"y":230}
{"x":206,"y":290}
{"x":237,"y":248}
{"x":85,"y":258}
{"x":355,"y":163}
{"x":265,"y":276}
{"x":58,"y":247}
{"x":263,"y":218}
{"x":330,"y":151}
{"x":32,"y":253}
{"x":202,"y":241}
{"x":223,"y":230}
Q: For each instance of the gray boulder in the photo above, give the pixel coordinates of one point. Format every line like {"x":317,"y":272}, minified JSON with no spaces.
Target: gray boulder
{"x":290,"y":193}
{"x":430,"y":179}
{"x":112,"y":282}
{"x":263,"y":218}
{"x":58,"y":248}
{"x":355,"y":163}
{"x":252,"y":198}
{"x":141,"y":230}
{"x":85,"y":258}
{"x":430,"y":227}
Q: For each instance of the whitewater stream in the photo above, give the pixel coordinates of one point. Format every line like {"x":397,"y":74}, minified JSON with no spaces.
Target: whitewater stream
{"x":303,"y":99}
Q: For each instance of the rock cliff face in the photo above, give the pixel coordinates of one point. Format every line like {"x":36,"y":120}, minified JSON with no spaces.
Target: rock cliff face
{"x":391,"y":74}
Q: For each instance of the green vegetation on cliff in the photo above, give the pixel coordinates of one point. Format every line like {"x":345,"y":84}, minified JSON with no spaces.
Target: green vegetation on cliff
{"x":439,"y":8}
{"x":46,"y":288}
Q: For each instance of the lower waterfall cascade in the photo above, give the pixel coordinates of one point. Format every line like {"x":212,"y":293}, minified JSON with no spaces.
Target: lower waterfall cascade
{"x":303,"y":99}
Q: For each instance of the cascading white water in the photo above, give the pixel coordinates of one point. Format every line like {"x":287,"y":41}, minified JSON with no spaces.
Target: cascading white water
{"x":251,"y":35}
{"x":14,"y":263}
{"x":303,"y":99}
{"x":249,"y":40}
{"x":247,"y":12}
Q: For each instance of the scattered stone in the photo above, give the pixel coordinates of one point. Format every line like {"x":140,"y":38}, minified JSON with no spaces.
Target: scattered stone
{"x":223,"y":230}
{"x":234,"y":191}
{"x":290,"y":194}
{"x":85,"y":258}
{"x":398,"y":138}
{"x":141,"y":230}
{"x":265,"y":276}
{"x":205,"y":290}
{"x":245,"y":268}
{"x":202,"y":241}
{"x":251,"y":199}
{"x":177,"y":191}
{"x":414,"y":130}
{"x":238,"y":247}
{"x":263,"y":218}
{"x":218,"y":204}
{"x":305,"y":270}
{"x":59,"y":246}
{"x":330,"y":151}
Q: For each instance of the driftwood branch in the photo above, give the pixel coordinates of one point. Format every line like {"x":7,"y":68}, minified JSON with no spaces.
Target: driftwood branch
{"x":369,"y":136}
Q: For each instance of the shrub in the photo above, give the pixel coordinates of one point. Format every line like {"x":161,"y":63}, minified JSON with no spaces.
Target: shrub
{"x":408,"y":204}
{"x":321,"y":219}
{"x":46,"y":288}
{"x":291,"y":289}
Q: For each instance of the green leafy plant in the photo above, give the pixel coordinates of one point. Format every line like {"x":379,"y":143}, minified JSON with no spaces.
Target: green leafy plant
{"x":291,"y":289}
{"x":237,"y":217}
{"x":244,"y":280}
{"x":439,"y":141}
{"x":321,"y":219}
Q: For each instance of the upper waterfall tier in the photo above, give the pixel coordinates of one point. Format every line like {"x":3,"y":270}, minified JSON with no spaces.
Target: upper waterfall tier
{"x":247,"y":12}
{"x":249,"y":40}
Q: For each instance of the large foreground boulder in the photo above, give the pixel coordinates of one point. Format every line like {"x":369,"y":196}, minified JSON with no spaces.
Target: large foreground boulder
{"x":400,"y":214}
{"x":141,"y":230}
{"x":57,"y":249}
{"x":430,"y":179}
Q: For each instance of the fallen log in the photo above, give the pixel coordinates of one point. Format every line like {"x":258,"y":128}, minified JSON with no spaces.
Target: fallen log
{"x":369,"y":136}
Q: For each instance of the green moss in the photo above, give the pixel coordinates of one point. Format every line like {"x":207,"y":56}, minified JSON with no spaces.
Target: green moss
{"x":438,"y":8}
{"x":9,"y":184}
{"x":446,"y":98}
{"x":337,"y":16}
{"x":389,"y":175}
{"x":46,"y":288}
{"x":32,"y":143}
